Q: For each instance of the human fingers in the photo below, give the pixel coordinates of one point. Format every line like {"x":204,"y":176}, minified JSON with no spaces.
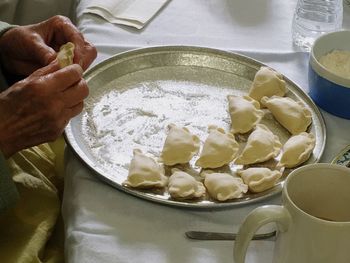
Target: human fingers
{"x":52,"y":67}
{"x":30,"y":45}
{"x":41,"y":52}
{"x":23,"y":68}
{"x":88,"y":55}
{"x":65,"y":31}
{"x":33,"y":112}
{"x":84,"y":52}
{"x":54,"y":129}
{"x":63,"y":78}
{"x":44,"y":136}
{"x":48,"y":128}
{"x":75,"y":94}
{"x":35,"y":69}
{"x":23,"y":50}
{"x":75,"y":110}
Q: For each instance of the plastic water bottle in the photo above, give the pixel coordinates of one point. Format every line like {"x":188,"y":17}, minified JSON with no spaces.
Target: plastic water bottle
{"x":313,"y":18}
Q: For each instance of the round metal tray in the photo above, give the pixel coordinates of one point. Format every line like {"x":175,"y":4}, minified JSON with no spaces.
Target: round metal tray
{"x":136,"y":94}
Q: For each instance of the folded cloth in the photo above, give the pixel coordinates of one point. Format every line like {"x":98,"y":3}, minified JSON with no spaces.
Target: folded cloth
{"x":32,"y":231}
{"x":135,"y":13}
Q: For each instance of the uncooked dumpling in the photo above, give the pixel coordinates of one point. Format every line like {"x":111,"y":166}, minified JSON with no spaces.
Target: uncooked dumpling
{"x":180,"y":146}
{"x":292,"y":115}
{"x":223,"y":186}
{"x":267,"y":82}
{"x":259,"y":179}
{"x":245,"y":113}
{"x":261,"y":146}
{"x":66,"y":54}
{"x":145,"y":172}
{"x":184,"y":186}
{"x":297,"y":150}
{"x":219,"y":148}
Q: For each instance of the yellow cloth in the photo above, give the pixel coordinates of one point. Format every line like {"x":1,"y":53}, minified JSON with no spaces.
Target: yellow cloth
{"x":32,"y":231}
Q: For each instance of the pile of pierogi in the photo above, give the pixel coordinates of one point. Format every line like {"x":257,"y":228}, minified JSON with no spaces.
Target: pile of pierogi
{"x":221,"y":148}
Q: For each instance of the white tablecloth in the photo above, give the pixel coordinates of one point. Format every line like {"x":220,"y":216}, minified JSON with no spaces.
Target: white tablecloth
{"x":103,"y":224}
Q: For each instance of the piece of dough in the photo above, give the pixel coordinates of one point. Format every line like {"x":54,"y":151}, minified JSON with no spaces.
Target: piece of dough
{"x":145,"y":172}
{"x":267,"y":82}
{"x":297,"y":150}
{"x":184,"y":186}
{"x":66,"y":54}
{"x":245,"y":113}
{"x":219,"y":148}
{"x":180,"y":146}
{"x":259,"y":179}
{"x":292,"y":115}
{"x":223,"y":186}
{"x":261,"y":146}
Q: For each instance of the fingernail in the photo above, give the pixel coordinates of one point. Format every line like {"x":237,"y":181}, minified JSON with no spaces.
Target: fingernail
{"x":81,"y":63}
{"x":80,"y":69}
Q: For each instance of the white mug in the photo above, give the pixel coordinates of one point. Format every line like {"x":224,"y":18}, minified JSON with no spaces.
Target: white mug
{"x":313,"y":223}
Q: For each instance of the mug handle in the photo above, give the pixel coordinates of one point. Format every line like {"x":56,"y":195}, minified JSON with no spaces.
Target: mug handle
{"x":257,"y":218}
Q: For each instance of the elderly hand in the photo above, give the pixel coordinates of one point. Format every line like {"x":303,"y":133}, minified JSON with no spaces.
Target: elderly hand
{"x":37,"y":109}
{"x":24,"y":49}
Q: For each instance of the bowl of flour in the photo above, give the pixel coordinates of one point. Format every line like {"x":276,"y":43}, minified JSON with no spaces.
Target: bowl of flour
{"x":329,"y":73}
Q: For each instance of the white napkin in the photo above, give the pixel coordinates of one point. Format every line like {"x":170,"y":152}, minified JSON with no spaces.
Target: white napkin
{"x":135,"y":13}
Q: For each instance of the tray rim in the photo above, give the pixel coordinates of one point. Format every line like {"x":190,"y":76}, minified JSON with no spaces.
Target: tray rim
{"x":199,"y":49}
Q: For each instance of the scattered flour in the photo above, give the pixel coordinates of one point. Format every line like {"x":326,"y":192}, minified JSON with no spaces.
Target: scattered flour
{"x":338,"y":62}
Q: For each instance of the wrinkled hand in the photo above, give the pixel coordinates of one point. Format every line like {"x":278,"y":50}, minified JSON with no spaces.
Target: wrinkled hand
{"x":24,"y":49}
{"x":37,"y":109}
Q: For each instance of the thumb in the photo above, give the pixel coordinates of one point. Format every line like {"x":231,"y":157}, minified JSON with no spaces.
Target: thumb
{"x":43,"y":53}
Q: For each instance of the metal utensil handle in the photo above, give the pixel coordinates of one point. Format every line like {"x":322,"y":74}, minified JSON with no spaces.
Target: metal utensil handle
{"x":204,"y":235}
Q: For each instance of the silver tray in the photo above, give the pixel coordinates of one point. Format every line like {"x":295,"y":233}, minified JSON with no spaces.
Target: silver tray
{"x":136,"y":94}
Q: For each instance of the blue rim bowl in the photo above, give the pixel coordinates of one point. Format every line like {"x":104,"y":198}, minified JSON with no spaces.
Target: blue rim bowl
{"x":329,"y":91}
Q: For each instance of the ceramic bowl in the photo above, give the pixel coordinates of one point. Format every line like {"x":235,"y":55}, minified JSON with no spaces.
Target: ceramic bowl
{"x":331,"y":92}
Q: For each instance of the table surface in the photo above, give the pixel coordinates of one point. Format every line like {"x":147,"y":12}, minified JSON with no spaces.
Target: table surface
{"x":103,"y":224}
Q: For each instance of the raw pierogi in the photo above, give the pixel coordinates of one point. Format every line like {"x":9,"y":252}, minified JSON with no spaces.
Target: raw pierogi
{"x":184,"y":186}
{"x":245,"y":113}
{"x":297,"y":150}
{"x":180,"y":146}
{"x":261,"y":146}
{"x":267,"y":82}
{"x":259,"y":179}
{"x":223,"y":186}
{"x":145,"y":172}
{"x":66,"y":54}
{"x":292,"y":115}
{"x":219,"y":148}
